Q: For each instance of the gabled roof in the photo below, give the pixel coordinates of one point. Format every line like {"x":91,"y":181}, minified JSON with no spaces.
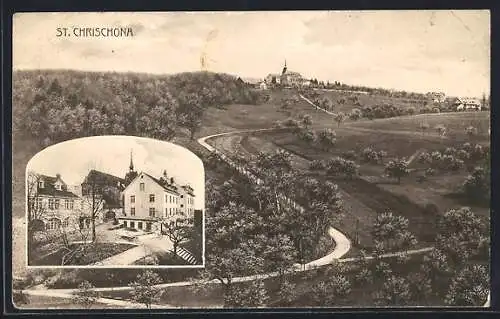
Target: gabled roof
{"x":102,"y":178}
{"x":50,"y":190}
{"x":166,"y":187}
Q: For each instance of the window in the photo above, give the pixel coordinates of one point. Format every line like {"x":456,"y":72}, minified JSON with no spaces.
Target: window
{"x":39,"y":202}
{"x":139,"y":225}
{"x":51,"y":203}
{"x":125,"y":223}
{"x":40,"y":184}
{"x":132,"y":211}
{"x":141,"y":186}
{"x":71,"y":204}
{"x":182,"y":205}
{"x":166,"y":198}
{"x":151,"y":198}
{"x":66,"y":203}
{"x":132,"y":224}
{"x":182,"y":196}
{"x":54,"y":223}
{"x":56,"y":203}
{"x":132,"y":199}
{"x":166,"y":212}
{"x":65,"y":222}
{"x":151,"y":212}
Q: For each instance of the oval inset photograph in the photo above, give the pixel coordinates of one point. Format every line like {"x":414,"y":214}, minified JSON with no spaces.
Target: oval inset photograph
{"x":115,"y":201}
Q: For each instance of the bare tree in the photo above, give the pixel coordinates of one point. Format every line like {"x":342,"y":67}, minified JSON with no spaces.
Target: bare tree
{"x":93,"y":200}
{"x":178,"y":232}
{"x":36,"y":210}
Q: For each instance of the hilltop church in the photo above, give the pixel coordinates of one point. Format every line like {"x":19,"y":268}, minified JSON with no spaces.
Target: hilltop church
{"x":287,"y":78}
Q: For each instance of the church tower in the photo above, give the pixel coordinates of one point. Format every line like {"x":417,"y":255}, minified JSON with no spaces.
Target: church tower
{"x":129,"y":177}
{"x":284,"y":68}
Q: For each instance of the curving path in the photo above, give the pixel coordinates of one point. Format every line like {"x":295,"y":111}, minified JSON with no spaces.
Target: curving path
{"x":343,"y":245}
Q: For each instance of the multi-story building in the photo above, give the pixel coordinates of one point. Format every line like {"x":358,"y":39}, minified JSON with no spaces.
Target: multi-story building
{"x":51,"y":204}
{"x":149,"y":202}
{"x":101,"y":195}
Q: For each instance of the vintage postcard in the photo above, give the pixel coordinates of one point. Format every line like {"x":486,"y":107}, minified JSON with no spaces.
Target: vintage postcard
{"x":298,"y":159}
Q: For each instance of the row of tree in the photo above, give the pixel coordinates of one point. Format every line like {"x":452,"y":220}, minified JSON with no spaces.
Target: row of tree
{"x":59,"y":105}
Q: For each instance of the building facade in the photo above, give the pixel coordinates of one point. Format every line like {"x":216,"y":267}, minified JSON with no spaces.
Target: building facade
{"x":466,"y":103}
{"x":51,"y":203}
{"x":149,"y":202}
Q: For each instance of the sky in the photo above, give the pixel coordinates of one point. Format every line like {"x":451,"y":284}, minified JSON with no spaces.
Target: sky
{"x":111,"y":154}
{"x":420,"y":51}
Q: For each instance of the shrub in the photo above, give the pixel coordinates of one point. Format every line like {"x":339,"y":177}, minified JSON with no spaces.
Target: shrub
{"x":436,"y":110}
{"x":307,"y":135}
{"x":369,"y":155}
{"x":355,"y":114}
{"x":424,"y":158}
{"x":463,"y":155}
{"x":327,"y":138}
{"x":436,"y":156}
{"x":467,"y":147}
{"x":450,"y":151}
{"x":316,"y":165}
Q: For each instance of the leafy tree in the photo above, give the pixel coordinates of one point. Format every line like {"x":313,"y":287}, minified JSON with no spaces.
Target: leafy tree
{"x":391,"y":232}
{"x":477,"y":185}
{"x":395,"y":292}
{"x":86,"y":295}
{"x":327,"y":138}
{"x":355,"y":114}
{"x":144,"y":289}
{"x":251,"y":295}
{"x":287,"y":293}
{"x":328,"y":292}
{"x":339,"y":118}
{"x":397,"y":168}
{"x":459,"y":232}
{"x":470,"y":287}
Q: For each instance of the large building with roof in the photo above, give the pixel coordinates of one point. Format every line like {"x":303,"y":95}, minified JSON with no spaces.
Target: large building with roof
{"x":53,"y":203}
{"x":286,"y":78}
{"x":149,"y":202}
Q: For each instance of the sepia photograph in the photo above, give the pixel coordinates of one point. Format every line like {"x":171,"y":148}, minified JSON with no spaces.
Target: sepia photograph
{"x":257,"y":159}
{"x":92,"y":211}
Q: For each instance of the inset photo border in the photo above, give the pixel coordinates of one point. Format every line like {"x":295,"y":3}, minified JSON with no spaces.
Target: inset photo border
{"x":115,"y":202}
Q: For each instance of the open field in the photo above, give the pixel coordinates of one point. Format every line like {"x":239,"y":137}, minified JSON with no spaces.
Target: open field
{"x":454,"y":122}
{"x":372,"y":194}
{"x":366,"y":100}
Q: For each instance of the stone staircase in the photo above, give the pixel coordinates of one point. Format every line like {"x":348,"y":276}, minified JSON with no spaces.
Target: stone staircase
{"x":186,"y":255}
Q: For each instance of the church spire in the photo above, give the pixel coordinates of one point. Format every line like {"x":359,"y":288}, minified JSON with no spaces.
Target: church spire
{"x":131,"y":167}
{"x":284,"y":68}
